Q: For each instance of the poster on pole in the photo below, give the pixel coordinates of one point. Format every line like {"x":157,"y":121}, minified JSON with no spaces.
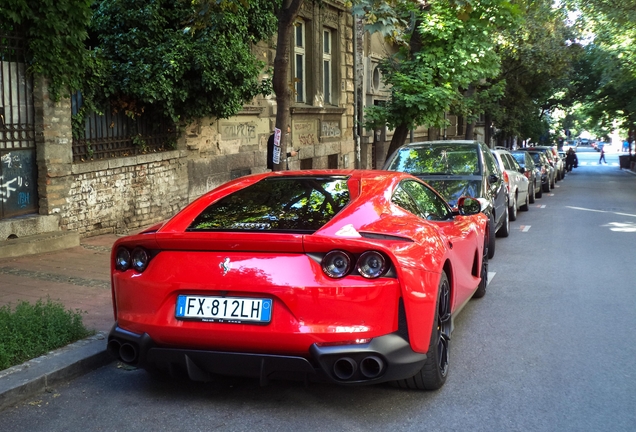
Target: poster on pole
{"x":276,"y":153}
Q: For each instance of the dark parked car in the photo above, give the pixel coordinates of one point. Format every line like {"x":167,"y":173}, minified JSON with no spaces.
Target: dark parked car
{"x":455,"y":169}
{"x":540,"y":159}
{"x":531,"y":171}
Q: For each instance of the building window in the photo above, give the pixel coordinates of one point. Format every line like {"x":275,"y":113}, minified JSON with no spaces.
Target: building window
{"x":306,"y":164}
{"x":299,"y":61}
{"x":332,"y":161}
{"x":327,"y":66}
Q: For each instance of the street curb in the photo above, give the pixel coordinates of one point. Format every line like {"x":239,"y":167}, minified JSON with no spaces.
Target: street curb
{"x":35,"y":376}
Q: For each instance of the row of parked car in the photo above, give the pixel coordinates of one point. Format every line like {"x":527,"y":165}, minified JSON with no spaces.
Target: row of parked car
{"x":510,"y":180}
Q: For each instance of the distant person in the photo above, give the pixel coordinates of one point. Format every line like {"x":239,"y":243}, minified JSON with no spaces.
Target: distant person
{"x":625,"y":146}
{"x":571,"y":160}
{"x":602,"y":158}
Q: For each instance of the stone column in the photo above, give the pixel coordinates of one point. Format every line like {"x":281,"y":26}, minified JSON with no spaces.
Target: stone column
{"x":54,"y":139}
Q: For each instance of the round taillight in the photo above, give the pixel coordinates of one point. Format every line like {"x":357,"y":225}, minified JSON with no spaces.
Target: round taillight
{"x":140,"y":259}
{"x":122,"y":259}
{"x":336,"y":264}
{"x":371,"y":264}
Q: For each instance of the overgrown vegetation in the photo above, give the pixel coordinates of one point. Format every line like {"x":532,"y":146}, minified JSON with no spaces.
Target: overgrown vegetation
{"x":31,"y":330}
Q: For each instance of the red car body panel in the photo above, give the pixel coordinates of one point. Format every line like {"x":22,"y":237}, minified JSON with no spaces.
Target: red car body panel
{"x":308,"y":306}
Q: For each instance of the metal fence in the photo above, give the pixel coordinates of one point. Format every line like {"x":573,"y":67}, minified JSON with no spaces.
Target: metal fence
{"x":18,"y":168}
{"x":115,"y":134}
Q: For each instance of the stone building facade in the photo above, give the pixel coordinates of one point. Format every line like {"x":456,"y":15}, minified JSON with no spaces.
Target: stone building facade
{"x":123,"y":194}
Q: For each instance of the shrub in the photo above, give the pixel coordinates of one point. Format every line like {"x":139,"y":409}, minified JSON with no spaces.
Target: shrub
{"x":31,"y":330}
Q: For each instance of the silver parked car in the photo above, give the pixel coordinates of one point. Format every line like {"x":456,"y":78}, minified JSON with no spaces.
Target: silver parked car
{"x":517,"y":184}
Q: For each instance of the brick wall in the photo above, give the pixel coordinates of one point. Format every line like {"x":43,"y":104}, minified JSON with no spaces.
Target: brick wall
{"x":124,"y":194}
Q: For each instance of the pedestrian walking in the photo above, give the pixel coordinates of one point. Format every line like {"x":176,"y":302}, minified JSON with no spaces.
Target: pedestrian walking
{"x":602,"y":158}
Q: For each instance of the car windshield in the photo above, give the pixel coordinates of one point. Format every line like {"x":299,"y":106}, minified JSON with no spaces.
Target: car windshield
{"x":298,"y":204}
{"x":450,"y":159}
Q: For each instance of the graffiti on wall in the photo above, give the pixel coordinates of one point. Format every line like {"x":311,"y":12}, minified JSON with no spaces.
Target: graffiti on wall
{"x":16,"y":187}
{"x":304,"y":133}
{"x":245,"y":131}
{"x":330,"y":129}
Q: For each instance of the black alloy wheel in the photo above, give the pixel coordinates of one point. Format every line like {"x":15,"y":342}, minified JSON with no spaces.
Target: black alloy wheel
{"x":433,"y":374}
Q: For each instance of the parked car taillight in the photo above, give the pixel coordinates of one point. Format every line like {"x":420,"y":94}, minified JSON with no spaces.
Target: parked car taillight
{"x":138,"y":259}
{"x":371,"y":264}
{"x":506,"y":179}
{"x":338,"y":264}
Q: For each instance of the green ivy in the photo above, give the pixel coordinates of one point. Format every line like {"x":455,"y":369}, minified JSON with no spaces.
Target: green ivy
{"x":56,"y":31}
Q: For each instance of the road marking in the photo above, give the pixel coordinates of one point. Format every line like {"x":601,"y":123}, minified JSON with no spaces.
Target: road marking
{"x":541,"y":206}
{"x":491,"y":275}
{"x":525,"y":228}
{"x":550,"y":194}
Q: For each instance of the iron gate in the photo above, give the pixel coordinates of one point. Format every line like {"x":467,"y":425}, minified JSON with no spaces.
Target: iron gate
{"x":18,"y":168}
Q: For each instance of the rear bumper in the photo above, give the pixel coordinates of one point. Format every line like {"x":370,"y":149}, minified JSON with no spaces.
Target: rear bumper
{"x":385,"y":358}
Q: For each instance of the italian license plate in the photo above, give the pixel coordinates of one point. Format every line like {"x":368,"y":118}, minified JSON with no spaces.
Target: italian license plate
{"x":224,"y":309}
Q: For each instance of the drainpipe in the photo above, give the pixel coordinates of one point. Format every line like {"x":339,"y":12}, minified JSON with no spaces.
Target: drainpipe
{"x":357,"y":103}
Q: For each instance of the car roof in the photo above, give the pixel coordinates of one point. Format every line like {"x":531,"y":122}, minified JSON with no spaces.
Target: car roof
{"x":441,"y":142}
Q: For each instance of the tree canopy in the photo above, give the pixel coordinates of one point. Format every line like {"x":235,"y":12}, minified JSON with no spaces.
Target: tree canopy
{"x":181,"y":56}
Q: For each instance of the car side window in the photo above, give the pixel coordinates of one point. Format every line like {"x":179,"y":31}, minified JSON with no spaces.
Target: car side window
{"x":509,"y":162}
{"x":491,"y":164}
{"x":431,"y":206}
{"x":402,"y":199}
{"x":514,"y":163}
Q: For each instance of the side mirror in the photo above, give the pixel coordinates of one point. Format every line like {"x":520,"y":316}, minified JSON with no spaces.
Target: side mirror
{"x":522,"y":170}
{"x":493,"y":178}
{"x":468,"y":206}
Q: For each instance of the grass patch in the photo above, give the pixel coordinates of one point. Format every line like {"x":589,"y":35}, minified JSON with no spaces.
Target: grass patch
{"x":31,"y":330}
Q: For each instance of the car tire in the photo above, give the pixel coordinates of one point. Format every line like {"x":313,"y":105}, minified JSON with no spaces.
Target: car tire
{"x":512,"y":209}
{"x":491,"y":237}
{"x":526,"y":206}
{"x":483,"y":283}
{"x":531,"y":194}
{"x":433,"y":374}
{"x":546,"y":187}
{"x":504,"y":230}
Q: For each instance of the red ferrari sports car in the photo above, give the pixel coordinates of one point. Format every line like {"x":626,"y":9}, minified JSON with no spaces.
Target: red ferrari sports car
{"x":350,"y":276}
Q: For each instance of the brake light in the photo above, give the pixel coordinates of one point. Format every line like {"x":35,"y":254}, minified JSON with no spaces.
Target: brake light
{"x":506,"y":179}
{"x":527,"y":174}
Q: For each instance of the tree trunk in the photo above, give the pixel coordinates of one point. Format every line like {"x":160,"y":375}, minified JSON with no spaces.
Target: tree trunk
{"x":399,"y":137}
{"x":286,"y":16}
{"x":470,"y":131}
{"x":488,"y":128}
{"x":402,"y":130}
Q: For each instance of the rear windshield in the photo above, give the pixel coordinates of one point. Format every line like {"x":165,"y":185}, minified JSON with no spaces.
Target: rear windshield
{"x":520,"y":158}
{"x":298,"y":204}
{"x":537,"y":158}
{"x":437,"y":160}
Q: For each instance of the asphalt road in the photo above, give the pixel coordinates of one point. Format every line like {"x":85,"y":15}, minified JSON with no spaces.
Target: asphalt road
{"x":551,"y":347}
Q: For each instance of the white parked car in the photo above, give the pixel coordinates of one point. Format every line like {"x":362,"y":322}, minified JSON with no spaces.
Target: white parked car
{"x":517,"y":183}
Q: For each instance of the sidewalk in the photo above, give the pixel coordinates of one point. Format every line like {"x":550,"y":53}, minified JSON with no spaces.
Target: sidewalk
{"x":79,"y":278}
